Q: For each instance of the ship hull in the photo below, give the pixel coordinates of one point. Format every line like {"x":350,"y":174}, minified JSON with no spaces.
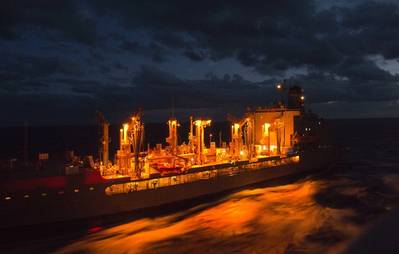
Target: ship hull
{"x":91,"y":203}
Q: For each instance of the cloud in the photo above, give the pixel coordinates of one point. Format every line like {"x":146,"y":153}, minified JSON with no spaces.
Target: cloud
{"x":132,"y":46}
{"x":157,"y":52}
{"x":158,"y":91}
{"x":222,"y":27}
{"x":61,"y":16}
{"x":333,"y":47}
{"x":120,"y":66}
{"x":271,"y":37}
{"x":375,"y":26}
{"x":171,"y":39}
{"x":34,"y":70}
{"x":362,"y":70}
{"x":195,"y":55}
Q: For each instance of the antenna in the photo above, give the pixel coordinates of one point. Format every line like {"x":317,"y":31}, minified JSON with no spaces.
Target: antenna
{"x":173,"y":104}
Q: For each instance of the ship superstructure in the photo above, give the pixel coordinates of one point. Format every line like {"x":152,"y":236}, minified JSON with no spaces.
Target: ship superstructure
{"x":260,"y":133}
{"x":262,"y":138}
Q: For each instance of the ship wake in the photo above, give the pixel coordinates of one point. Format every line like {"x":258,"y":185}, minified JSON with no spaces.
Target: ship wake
{"x":311,"y":216}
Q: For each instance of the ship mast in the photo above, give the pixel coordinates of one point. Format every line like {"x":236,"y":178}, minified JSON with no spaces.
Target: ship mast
{"x":103,"y":144}
{"x":200,"y":125}
{"x":136,"y":139}
{"x":172,"y":138}
{"x":191,"y":135}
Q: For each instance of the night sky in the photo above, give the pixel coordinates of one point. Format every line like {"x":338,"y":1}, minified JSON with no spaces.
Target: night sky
{"x":63,"y":60}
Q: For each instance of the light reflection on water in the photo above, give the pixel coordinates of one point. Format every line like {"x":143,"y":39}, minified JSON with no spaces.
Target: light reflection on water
{"x":303,"y":217}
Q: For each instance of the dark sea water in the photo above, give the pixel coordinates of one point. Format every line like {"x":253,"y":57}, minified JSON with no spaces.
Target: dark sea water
{"x":321,"y":213}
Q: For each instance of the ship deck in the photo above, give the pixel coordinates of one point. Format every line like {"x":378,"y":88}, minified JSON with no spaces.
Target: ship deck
{"x":201,"y":172}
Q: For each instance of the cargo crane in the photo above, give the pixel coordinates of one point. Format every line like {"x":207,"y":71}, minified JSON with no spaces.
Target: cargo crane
{"x":242,"y":137}
{"x":131,"y":142}
{"x":200,"y":125}
{"x":136,"y":138}
{"x":191,"y":135}
{"x":172,"y":139}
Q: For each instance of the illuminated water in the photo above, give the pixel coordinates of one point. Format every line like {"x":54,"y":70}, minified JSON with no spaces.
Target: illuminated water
{"x":261,"y":220}
{"x":315,"y":214}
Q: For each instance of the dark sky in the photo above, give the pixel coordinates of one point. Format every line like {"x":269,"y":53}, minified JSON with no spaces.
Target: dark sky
{"x":63,"y":60}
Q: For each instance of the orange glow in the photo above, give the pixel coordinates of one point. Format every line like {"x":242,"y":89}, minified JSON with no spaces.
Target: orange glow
{"x":249,"y":137}
{"x":295,"y":158}
{"x":264,"y":220}
{"x":202,"y":122}
{"x":173,"y":122}
{"x":265,"y":129}
{"x":125,"y":128}
{"x":235,"y":128}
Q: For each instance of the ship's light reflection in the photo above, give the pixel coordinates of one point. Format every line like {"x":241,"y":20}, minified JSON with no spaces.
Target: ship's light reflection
{"x":265,"y":220}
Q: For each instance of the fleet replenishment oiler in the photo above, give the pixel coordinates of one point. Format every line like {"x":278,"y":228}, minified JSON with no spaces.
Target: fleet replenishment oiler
{"x":265,"y":144}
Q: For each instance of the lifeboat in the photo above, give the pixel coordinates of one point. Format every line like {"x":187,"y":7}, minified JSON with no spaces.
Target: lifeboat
{"x":166,"y":169}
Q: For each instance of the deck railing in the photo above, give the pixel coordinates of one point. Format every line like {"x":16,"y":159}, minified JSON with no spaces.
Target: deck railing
{"x":208,"y":174}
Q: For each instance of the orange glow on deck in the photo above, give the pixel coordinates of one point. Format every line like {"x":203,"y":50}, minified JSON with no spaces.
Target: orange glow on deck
{"x":295,"y":158}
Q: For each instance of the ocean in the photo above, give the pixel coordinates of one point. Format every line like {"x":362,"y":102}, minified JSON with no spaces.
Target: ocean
{"x":322,"y":213}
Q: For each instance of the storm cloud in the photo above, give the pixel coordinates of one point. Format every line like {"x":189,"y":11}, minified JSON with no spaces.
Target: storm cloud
{"x":214,"y":54}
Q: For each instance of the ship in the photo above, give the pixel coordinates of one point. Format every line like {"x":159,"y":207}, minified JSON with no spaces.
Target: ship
{"x":266,"y":143}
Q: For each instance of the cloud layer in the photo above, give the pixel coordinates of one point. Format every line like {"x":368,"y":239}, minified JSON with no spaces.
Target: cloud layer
{"x":83,"y":55}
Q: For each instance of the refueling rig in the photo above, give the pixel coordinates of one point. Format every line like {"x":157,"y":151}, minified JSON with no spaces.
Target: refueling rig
{"x":264,"y":132}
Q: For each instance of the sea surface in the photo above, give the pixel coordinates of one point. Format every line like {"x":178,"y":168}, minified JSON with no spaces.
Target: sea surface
{"x":322,"y":213}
